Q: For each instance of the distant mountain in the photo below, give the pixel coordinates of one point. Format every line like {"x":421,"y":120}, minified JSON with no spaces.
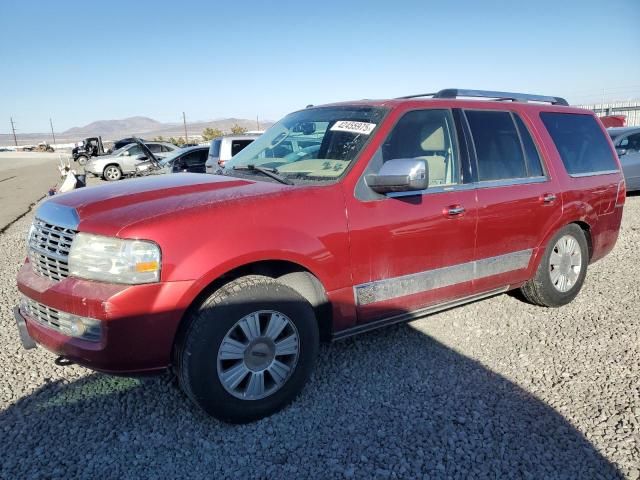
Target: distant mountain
{"x":114,"y":128}
{"x":144,"y":127}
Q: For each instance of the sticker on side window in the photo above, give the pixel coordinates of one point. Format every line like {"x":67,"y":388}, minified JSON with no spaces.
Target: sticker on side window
{"x":354,"y":127}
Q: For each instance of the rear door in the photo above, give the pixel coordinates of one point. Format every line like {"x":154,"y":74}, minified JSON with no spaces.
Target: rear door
{"x":517,"y":201}
{"x":411,"y":250}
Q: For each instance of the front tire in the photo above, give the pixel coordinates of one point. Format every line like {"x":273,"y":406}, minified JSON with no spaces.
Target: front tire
{"x":82,"y":160}
{"x":248,"y":350}
{"x":112,"y":173}
{"x":562,"y":269}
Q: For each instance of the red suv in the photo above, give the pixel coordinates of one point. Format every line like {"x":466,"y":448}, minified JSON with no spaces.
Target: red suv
{"x":339,"y":219}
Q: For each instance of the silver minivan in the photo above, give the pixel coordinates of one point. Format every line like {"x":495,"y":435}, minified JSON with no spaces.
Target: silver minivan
{"x":223,"y":148}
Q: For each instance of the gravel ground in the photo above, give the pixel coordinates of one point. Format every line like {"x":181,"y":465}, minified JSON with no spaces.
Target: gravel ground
{"x":497,"y":389}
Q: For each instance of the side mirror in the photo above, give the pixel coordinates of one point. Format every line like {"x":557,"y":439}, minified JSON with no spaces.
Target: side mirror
{"x":400,"y":175}
{"x":621,"y":151}
{"x":126,"y":153}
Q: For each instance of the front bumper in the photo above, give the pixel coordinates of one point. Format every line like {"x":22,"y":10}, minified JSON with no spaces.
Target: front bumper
{"x":139,"y":322}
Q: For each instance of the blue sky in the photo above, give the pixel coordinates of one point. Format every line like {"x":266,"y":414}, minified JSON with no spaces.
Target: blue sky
{"x":83,"y":61}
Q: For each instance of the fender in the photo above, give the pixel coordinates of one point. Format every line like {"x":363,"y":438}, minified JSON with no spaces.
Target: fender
{"x":572,"y":212}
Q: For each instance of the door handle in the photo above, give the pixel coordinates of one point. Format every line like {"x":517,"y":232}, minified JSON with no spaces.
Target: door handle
{"x":548,"y":198}
{"x":454,"y":210}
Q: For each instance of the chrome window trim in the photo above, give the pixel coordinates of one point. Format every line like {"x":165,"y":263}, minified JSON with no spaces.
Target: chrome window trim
{"x":511,"y":181}
{"x":413,"y":283}
{"x":593,"y":174}
{"x":440,"y":189}
{"x":470,"y":186}
{"x":59,"y":215}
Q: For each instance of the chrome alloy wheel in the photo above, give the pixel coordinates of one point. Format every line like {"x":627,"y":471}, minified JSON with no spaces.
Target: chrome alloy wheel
{"x":112,"y":173}
{"x":565,"y":263}
{"x":258,"y":355}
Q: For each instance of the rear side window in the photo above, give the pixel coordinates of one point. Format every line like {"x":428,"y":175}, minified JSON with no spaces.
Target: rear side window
{"x":498,"y":149}
{"x":238,"y":145}
{"x":214,"y":149}
{"x":581,"y":143}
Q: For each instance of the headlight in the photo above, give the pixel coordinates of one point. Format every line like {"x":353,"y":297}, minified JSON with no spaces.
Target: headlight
{"x":114,"y":260}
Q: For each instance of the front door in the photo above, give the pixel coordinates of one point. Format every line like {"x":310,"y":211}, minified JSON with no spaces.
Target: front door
{"x":413,"y":249}
{"x":517,"y":202}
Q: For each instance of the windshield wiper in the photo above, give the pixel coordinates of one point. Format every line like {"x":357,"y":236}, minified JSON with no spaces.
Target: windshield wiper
{"x":269,"y":172}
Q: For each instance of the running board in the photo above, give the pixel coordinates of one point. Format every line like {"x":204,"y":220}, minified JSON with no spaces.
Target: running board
{"x":416,"y":314}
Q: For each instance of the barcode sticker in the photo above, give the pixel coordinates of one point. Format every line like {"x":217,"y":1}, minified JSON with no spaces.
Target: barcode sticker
{"x":354,"y":127}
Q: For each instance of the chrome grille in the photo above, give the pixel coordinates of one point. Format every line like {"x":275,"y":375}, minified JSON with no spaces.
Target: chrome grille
{"x":49,"y":247}
{"x":60,"y":321}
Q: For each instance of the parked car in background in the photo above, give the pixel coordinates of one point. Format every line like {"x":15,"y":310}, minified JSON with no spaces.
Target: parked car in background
{"x":405,"y":207}
{"x":122,"y":162}
{"x":627,"y":143}
{"x":223,"y":148}
{"x":189,"y":159}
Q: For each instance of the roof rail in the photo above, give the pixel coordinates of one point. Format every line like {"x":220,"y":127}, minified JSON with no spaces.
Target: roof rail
{"x":516,"y":97}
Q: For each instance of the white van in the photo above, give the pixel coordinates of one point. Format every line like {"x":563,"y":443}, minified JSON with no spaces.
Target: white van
{"x":223,"y":148}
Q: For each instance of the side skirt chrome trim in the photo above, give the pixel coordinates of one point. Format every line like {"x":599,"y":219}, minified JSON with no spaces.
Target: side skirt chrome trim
{"x":416,"y":314}
{"x":388,"y":288}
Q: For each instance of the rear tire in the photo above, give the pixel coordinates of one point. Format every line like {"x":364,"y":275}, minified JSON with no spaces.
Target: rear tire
{"x":82,"y":160}
{"x":248,"y":350}
{"x":561,"y":271}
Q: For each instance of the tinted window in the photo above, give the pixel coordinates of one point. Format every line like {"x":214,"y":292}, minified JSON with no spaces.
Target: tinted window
{"x":580,"y":142}
{"x":238,"y":145}
{"x":497,"y":145}
{"x":534,"y":168}
{"x":633,"y":143}
{"x":214,"y":149}
{"x":154,"y":147}
{"x":426,"y":134}
{"x":196,"y":158}
{"x":166,"y":148}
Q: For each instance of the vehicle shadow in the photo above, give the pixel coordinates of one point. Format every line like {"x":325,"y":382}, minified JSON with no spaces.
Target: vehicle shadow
{"x":394,"y":403}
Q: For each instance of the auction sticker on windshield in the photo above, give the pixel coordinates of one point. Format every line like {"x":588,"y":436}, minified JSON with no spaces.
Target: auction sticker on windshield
{"x":353,"y":127}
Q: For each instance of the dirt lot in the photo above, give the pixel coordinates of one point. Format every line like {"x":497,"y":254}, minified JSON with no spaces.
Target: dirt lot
{"x":496,"y":389}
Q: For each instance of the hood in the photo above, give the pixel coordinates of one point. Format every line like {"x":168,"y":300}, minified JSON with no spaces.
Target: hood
{"x":108,"y":209}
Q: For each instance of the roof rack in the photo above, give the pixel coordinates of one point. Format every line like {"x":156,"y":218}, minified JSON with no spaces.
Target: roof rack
{"x":501,"y":96}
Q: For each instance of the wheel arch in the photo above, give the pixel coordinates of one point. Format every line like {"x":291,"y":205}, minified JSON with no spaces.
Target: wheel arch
{"x":289,"y":273}
{"x":111,"y":164}
{"x":580,"y":222}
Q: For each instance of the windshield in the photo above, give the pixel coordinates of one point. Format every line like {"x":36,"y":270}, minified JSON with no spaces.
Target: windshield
{"x":315,"y":144}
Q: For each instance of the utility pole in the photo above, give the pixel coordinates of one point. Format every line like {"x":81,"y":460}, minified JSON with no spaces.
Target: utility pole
{"x":257,"y":122}
{"x":52,"y":134}
{"x":184,"y":120}
{"x":13,"y":129}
